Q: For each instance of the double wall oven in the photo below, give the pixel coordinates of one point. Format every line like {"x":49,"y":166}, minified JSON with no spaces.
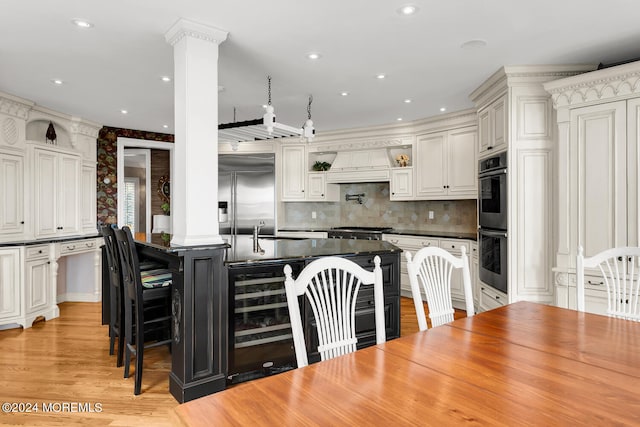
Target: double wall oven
{"x":492,"y":218}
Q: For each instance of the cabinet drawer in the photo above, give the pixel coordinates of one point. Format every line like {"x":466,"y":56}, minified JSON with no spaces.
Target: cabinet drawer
{"x":491,"y":298}
{"x":455,"y":246}
{"x":411,"y":242}
{"x":595,"y":283}
{"x":37,"y":252}
{"x":77,"y":246}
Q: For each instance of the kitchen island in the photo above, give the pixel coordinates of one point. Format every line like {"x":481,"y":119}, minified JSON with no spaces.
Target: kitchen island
{"x":221,"y":295}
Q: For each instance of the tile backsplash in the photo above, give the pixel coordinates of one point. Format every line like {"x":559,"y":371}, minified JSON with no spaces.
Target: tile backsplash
{"x":378,"y":211}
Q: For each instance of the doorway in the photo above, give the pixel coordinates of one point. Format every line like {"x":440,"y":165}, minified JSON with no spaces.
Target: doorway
{"x":137,"y":194}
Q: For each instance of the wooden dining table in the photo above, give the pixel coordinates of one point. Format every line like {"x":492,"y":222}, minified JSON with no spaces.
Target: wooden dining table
{"x":520,"y":364}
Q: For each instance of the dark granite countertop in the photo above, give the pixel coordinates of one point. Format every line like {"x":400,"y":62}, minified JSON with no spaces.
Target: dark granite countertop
{"x":241,"y":251}
{"x":49,"y":240}
{"x":407,"y":232}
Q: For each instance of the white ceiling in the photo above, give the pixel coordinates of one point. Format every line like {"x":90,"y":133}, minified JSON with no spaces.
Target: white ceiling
{"x":118,"y":63}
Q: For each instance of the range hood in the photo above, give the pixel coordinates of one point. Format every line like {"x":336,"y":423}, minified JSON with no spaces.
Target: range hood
{"x":360,"y":166}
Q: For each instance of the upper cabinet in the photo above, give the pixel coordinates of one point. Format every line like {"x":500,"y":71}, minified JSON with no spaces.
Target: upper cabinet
{"x":492,"y":127}
{"x":299,"y":181}
{"x":447,"y":165}
{"x":48,"y":172}
{"x":12,"y":218}
{"x":294,"y":173}
{"x":57,"y":181}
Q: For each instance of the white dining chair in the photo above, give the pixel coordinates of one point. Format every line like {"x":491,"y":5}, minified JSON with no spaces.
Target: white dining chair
{"x":620,"y":273}
{"x":430,"y":270}
{"x":331,"y":286}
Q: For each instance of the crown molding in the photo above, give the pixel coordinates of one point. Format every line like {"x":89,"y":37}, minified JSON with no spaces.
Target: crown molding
{"x":608,"y":84}
{"x":185,"y":28}
{"x":14,"y":106}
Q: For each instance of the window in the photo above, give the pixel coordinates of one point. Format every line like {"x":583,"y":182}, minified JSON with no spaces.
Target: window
{"x":131,"y":191}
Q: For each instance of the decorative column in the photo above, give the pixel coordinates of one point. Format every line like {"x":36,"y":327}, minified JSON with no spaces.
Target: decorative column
{"x":194,"y":193}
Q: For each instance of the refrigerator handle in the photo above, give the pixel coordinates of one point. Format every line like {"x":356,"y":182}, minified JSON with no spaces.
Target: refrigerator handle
{"x":234,"y":217}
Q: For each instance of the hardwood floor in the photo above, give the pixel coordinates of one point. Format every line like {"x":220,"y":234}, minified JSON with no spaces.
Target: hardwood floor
{"x":66,"y":360}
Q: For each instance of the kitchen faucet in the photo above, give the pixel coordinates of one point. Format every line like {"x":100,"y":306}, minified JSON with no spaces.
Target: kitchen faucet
{"x":256,"y":232}
{"x":356,"y":197}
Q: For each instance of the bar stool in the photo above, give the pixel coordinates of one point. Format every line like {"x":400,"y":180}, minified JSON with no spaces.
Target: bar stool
{"x":146,"y":310}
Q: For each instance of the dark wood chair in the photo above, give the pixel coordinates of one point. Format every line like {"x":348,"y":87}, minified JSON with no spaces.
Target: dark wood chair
{"x":147,"y":316}
{"x":116,"y":306}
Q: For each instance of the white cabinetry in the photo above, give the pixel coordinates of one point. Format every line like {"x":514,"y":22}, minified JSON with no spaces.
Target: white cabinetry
{"x":492,"y":127}
{"x":294,"y":172}
{"x":12,"y":219}
{"x":10,"y":285}
{"x":298,"y":184}
{"x":473,"y":272}
{"x":447,"y":167}
{"x":413,"y":244}
{"x":318,"y":189}
{"x":490,"y":298}
{"x":38,"y":295}
{"x":57,"y":180}
{"x":515,"y":114}
{"x":303,"y":234}
{"x":598,"y":116}
{"x":88,"y":199}
{"x":401,"y":184}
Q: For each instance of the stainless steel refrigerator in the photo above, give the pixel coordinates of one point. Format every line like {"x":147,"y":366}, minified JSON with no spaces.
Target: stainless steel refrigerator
{"x":246,"y":193}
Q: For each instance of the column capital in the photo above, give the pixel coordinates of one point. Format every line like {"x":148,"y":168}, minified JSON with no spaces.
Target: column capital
{"x":185,"y":28}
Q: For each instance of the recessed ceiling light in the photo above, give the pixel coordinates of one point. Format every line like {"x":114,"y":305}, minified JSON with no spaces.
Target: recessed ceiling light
{"x":380,"y":76}
{"x":408,"y":9}
{"x":165,"y":79}
{"x":313,"y":55}
{"x":473,"y":44}
{"x":407,"y":101}
{"x":82,"y":23}
{"x":399,"y":119}
{"x":344,"y":93}
{"x":57,"y":82}
{"x":124,"y":111}
{"x":443,"y":109}
{"x":165,"y":126}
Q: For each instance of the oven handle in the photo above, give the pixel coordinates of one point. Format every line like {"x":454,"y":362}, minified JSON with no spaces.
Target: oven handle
{"x":493,"y":233}
{"x":494,"y":172}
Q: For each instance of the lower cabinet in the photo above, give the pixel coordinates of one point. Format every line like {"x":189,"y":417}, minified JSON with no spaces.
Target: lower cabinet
{"x":413,"y":244}
{"x":475,"y":280}
{"x":491,"y":298}
{"x":38,"y":294}
{"x":29,"y":279}
{"x":10,"y":285}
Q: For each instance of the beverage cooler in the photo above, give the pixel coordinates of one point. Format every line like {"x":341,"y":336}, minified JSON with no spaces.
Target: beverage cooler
{"x":260,"y":338}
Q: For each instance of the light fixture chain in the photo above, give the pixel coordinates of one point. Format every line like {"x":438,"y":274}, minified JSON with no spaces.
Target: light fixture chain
{"x":309,"y":106}
{"x":269,"y":91}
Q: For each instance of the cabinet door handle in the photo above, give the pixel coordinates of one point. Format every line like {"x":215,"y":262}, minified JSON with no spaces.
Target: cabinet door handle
{"x":497,"y":297}
{"x":40,"y":251}
{"x":595,"y":283}
{"x":21,"y":222}
{"x":489,"y":147}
